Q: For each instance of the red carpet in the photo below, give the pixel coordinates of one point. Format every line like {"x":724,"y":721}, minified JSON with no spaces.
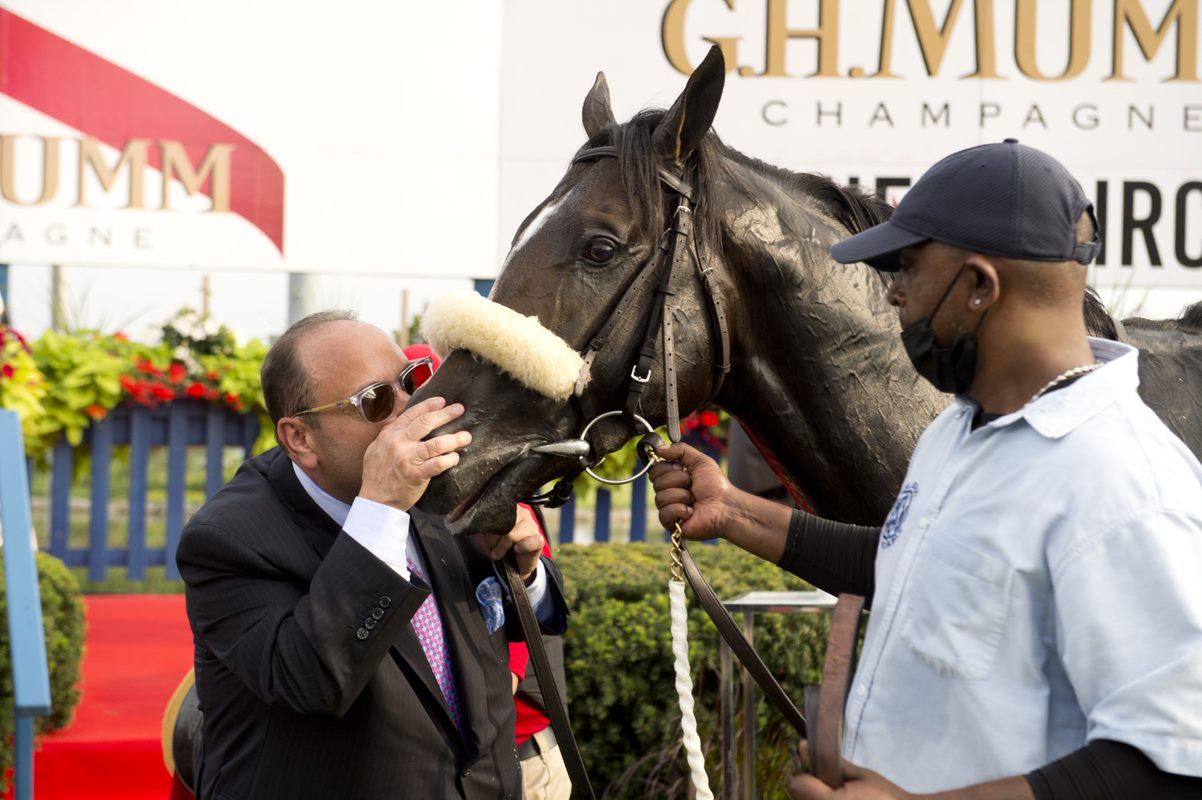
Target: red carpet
{"x":138,"y":649}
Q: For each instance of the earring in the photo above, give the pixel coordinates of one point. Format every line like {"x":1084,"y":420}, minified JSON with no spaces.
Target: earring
{"x":976,"y":301}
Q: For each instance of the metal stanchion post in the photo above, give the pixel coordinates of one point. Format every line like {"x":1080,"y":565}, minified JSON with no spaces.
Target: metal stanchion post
{"x":749,"y":605}
{"x":726,"y":699}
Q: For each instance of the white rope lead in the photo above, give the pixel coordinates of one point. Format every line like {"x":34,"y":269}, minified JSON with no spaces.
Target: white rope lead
{"x":684,"y":689}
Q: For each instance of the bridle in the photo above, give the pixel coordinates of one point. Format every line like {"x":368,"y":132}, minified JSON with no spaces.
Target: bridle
{"x":669,"y":260}
{"x":824,"y":702}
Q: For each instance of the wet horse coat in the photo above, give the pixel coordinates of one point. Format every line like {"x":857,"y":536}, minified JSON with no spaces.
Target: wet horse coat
{"x":818,"y":373}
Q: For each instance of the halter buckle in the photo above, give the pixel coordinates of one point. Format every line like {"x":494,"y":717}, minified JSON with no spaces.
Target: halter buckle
{"x":634,"y":374}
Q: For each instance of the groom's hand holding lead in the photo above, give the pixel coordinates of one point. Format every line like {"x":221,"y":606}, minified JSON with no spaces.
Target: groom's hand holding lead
{"x":691,"y":489}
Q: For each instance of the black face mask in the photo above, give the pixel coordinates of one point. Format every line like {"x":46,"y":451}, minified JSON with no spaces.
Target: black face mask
{"x":949,"y":369}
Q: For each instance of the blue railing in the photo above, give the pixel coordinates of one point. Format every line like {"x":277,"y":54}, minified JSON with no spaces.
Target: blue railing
{"x":603,"y":508}
{"x":176,"y":426}
{"x":31,"y":680}
{"x":186,"y":424}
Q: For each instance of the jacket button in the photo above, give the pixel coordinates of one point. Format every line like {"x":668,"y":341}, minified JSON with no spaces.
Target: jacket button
{"x":361,"y":633}
{"x":465,"y":773}
{"x":369,"y":623}
{"x":377,"y":613}
{"x":385,"y":601}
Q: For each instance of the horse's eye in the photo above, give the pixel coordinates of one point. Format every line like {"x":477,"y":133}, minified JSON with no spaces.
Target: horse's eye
{"x":599,"y":250}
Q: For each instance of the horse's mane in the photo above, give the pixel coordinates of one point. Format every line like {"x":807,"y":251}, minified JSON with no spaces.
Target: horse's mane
{"x":1190,"y":321}
{"x":854,"y":209}
{"x":1098,"y":321}
{"x":849,"y":207}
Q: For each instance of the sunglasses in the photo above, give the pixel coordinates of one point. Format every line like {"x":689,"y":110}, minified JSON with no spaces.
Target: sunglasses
{"x":377,"y":402}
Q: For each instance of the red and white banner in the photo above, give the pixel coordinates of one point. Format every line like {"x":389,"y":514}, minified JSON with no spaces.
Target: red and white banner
{"x":147,"y":124}
{"x":272,"y":135}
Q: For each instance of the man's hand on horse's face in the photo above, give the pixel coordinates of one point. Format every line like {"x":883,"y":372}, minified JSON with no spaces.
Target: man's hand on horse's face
{"x":399,"y":464}
{"x":690,"y":489}
{"x":525,"y":540}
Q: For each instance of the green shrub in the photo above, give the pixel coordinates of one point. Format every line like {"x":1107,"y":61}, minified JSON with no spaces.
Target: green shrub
{"x":620,"y":674}
{"x":63,"y":626}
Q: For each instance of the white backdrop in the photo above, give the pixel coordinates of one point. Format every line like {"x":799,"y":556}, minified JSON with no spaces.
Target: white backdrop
{"x":380,"y":115}
{"x":873,"y":128}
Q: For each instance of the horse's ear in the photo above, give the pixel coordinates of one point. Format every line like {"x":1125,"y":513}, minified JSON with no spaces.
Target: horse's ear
{"x":596,"y":113}
{"x":690,"y":117}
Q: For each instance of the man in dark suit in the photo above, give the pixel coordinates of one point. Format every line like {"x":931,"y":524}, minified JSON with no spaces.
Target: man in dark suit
{"x":341,"y":648}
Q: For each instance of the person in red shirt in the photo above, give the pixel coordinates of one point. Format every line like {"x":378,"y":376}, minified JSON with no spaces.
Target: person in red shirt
{"x":544,"y":774}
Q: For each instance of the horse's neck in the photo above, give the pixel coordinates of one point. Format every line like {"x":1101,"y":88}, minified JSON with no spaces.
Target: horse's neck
{"x":819,"y":372}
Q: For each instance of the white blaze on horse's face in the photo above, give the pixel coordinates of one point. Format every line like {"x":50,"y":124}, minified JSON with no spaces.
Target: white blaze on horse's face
{"x":538,"y":222}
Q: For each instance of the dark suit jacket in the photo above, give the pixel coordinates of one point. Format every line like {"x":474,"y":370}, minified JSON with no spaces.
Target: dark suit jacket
{"x":311,"y":680}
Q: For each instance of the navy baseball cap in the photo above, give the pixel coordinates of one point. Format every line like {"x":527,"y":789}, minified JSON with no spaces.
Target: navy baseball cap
{"x":1002,"y":199}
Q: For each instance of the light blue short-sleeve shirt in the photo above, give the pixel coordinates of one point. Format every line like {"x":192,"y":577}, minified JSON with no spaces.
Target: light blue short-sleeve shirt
{"x":1038,"y":586}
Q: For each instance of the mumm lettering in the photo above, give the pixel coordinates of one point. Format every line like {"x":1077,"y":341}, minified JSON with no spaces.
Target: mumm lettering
{"x":933,"y":36}
{"x":134,"y":158}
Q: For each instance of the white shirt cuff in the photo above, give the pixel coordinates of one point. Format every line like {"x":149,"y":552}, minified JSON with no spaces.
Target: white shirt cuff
{"x":540,"y":598}
{"x":383,"y":530}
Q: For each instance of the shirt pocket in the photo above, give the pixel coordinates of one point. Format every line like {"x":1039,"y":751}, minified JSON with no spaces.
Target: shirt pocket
{"x":959,"y":602}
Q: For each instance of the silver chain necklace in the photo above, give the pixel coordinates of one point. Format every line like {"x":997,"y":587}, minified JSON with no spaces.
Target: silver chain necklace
{"x":1068,"y":374}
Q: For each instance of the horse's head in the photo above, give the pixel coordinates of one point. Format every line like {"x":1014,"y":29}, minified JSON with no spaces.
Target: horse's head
{"x":598,"y":238}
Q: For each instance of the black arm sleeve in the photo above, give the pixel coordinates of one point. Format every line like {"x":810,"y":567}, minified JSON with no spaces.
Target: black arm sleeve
{"x":1105,"y":770}
{"x":834,"y":556}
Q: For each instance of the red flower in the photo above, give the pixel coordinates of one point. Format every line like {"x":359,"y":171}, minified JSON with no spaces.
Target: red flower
{"x":176,"y":372}
{"x":96,"y":411}
{"x":7,"y":370}
{"x":709,"y":418}
{"x":121,"y":336}
{"x":142,"y":392}
{"x":196,"y":389}
{"x":232,"y":399}
{"x":162,"y":391}
{"x":147,"y":366}
{"x":212,"y":375}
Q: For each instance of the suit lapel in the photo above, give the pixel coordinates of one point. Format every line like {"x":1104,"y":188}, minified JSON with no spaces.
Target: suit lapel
{"x":408,"y":650}
{"x":463,"y":625}
{"x":318,"y":529}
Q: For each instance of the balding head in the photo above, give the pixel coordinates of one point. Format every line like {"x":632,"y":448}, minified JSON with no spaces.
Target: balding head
{"x":287,"y":387}
{"x":320,"y":363}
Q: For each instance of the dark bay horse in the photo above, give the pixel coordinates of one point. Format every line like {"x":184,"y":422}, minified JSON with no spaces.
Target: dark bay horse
{"x":818,"y":373}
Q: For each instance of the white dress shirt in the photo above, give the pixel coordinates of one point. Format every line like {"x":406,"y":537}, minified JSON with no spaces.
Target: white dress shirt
{"x":1038,"y":586}
{"x":384,"y":532}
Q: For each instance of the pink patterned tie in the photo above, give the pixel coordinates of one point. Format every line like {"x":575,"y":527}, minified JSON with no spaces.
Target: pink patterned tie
{"x":427,"y":624}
